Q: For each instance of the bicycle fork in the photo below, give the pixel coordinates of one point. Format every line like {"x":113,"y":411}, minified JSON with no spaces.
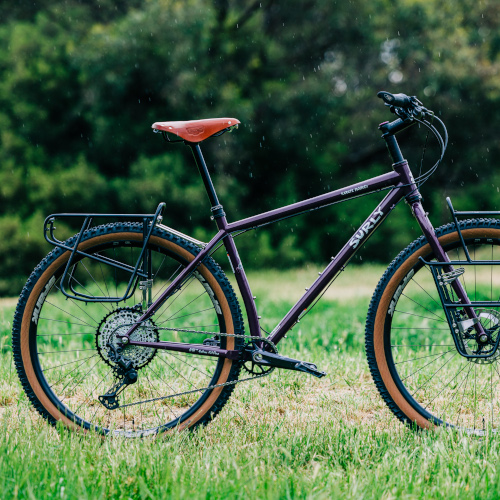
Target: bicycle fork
{"x":450,"y":276}
{"x":414,"y":200}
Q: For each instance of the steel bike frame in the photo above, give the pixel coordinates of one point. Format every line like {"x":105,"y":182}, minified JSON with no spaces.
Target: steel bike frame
{"x":399,"y":181}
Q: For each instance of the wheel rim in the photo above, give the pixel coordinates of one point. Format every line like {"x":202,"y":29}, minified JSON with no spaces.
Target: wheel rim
{"x":428,"y":372}
{"x":72,"y":374}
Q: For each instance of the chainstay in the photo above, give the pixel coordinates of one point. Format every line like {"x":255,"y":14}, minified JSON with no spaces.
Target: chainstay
{"x":203,"y":332}
{"x":215,"y":386}
{"x":234,"y":335}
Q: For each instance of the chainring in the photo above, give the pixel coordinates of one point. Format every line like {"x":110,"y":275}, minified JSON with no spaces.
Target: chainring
{"x":251,"y":366}
{"x":119,"y":321}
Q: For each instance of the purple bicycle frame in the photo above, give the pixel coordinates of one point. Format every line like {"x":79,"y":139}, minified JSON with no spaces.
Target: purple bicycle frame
{"x":399,"y":181}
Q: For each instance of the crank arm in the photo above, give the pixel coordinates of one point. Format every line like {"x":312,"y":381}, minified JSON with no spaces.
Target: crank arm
{"x":264,"y":358}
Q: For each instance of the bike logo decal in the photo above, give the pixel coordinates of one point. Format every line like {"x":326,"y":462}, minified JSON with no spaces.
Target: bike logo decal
{"x":366,"y":228}
{"x":399,"y":291}
{"x":41,"y":300}
{"x":210,"y":292}
{"x":201,"y":351}
{"x":353,"y":190}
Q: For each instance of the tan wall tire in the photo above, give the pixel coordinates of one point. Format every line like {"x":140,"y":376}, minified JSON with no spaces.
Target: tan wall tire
{"x":404,"y":380}
{"x":32,"y":303}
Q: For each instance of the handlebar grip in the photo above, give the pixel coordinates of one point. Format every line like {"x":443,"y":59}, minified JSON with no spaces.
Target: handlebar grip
{"x":398,"y":100}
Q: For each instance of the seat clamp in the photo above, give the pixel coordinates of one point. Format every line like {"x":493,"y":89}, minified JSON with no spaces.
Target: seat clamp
{"x":218,"y":212}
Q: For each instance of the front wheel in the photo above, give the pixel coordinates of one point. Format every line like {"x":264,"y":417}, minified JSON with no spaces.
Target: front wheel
{"x":64,"y":348}
{"x":411,"y":353}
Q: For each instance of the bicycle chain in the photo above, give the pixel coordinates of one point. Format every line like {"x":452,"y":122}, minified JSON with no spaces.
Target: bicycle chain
{"x":215,"y":386}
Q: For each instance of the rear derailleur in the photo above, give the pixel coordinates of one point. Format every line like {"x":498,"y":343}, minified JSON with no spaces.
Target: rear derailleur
{"x":125,"y":374}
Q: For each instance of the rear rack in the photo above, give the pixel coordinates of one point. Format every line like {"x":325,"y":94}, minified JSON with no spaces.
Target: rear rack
{"x":140,"y":270}
{"x":453,"y":307}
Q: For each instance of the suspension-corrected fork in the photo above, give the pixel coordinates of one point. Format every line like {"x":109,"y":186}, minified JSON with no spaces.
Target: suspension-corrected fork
{"x":414,"y":199}
{"x":441,"y":255}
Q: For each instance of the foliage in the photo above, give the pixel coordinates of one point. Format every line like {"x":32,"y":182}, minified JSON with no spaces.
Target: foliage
{"x":81,"y":82}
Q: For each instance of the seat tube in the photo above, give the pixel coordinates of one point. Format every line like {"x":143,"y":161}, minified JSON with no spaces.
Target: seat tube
{"x":219,"y":216}
{"x":243,"y":285}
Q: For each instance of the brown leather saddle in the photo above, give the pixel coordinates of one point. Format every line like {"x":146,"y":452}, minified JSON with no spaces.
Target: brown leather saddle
{"x":197,"y":130}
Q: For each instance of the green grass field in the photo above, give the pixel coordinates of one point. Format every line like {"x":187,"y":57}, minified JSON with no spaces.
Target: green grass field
{"x":285,"y":436}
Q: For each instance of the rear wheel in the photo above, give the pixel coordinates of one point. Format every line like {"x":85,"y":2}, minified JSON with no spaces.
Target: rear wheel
{"x":64,"y":348}
{"x":411,"y":353}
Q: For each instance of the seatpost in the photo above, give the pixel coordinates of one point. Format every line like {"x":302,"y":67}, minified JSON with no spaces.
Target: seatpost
{"x":217,"y":210}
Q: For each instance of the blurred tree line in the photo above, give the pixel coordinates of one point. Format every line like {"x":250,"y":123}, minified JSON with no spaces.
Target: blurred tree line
{"x":81,"y":81}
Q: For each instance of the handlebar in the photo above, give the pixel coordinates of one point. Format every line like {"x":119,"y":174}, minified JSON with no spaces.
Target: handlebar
{"x":408,"y":108}
{"x":398,"y":100}
{"x":409,"y":111}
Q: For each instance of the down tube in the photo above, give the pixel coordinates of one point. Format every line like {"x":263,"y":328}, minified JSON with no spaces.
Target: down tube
{"x":338,"y":263}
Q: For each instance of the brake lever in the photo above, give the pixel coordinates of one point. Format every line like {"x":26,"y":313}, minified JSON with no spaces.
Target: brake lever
{"x":419,"y":111}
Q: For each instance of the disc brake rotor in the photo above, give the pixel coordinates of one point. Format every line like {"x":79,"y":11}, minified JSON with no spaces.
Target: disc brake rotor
{"x":490,"y":320}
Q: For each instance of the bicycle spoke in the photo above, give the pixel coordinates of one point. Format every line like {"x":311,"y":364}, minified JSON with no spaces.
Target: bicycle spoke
{"x":423,"y":357}
{"x":151,"y":388}
{"x":437,"y":371}
{"x":187,"y":315}
{"x":93,"y":389}
{"x":103,"y":278}
{"x":184,"y":307}
{"x":76,"y":368}
{"x":75,"y":303}
{"x":70,"y":363}
{"x":457,"y":373}
{"x":72,"y":350}
{"x":74,"y":386}
{"x":423,"y":307}
{"x":414,"y":373}
{"x":422,"y":345}
{"x":178,"y":373}
{"x":458,"y":388}
{"x":463,"y":394}
{"x":63,"y":321}
{"x":425,"y":291}
{"x":169,"y":280}
{"x":69,"y":314}
{"x":419,"y":328}
{"x":63,"y":334}
{"x":419,"y":316}
{"x":176,"y":297}
{"x":149,"y":401}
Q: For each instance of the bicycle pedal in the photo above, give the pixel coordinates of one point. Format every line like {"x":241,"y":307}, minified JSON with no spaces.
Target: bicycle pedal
{"x":264,"y":358}
{"x":310,"y":368}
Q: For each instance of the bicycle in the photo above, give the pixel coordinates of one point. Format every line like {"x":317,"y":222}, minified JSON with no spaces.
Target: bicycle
{"x":131,"y":328}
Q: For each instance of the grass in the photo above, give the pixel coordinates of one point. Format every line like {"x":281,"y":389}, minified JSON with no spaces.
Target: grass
{"x":285,"y":436}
